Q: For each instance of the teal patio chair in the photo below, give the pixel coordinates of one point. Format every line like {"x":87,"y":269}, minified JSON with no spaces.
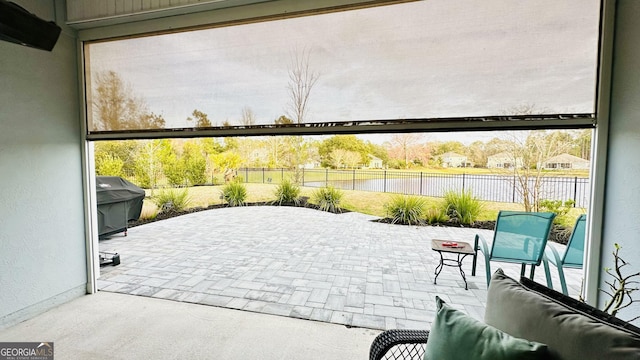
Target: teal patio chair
{"x":572,"y":257}
{"x":519,"y":237}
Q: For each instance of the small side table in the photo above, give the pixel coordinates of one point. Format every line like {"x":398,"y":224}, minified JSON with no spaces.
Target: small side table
{"x":461,"y":250}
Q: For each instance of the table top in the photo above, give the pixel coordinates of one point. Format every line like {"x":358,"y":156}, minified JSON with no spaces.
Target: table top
{"x":461,"y":248}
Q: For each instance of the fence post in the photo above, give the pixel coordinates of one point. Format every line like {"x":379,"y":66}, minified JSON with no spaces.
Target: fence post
{"x":575,"y":191}
{"x":302,"y":176}
{"x":353,"y":180}
{"x":420,"y":182}
{"x":326,"y":177}
{"x":463,"y":176}
{"x":384,"y":182}
{"x":281,"y":174}
{"x":514,"y":189}
{"x":246,"y":175}
{"x":263,"y":175}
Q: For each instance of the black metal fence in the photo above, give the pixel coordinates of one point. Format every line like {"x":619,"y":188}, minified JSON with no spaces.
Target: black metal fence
{"x":498,"y":188}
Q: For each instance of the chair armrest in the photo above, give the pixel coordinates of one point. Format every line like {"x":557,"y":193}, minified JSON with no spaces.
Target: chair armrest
{"x":399,"y":344}
{"x":481,"y":244}
{"x":551,"y":254}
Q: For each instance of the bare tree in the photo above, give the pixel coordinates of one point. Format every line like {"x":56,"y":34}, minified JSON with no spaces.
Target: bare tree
{"x":337,"y":158}
{"x":248,"y":116}
{"x":352,"y":159}
{"x":406,"y":143}
{"x":528,"y":151}
{"x":341,"y":158}
{"x":148,"y":166}
{"x":301,"y":81}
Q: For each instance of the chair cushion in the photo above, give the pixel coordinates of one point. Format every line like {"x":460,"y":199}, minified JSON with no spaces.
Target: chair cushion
{"x":456,"y":336}
{"x":571,"y":330}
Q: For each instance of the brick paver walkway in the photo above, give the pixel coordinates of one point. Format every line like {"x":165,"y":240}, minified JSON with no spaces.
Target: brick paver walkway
{"x":302,"y":263}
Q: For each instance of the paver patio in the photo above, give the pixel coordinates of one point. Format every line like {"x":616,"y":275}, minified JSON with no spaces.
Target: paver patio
{"x":302,"y":263}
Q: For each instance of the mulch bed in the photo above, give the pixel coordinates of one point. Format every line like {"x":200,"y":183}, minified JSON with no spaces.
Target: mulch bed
{"x":559,"y":234}
{"x":173,"y":213}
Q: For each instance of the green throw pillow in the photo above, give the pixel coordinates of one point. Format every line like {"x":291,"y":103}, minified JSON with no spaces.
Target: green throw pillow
{"x":456,"y":336}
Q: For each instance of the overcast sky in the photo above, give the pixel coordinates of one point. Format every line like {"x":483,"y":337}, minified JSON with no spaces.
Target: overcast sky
{"x":437,"y":58}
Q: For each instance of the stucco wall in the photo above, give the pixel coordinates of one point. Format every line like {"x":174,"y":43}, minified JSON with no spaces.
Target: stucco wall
{"x":622,"y":194}
{"x":42,"y":242}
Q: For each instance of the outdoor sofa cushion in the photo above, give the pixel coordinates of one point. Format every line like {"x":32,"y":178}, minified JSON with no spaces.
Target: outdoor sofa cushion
{"x":456,"y":336}
{"x":571,"y":330}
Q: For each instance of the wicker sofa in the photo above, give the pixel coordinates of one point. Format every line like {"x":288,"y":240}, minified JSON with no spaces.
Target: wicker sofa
{"x":547,"y":323}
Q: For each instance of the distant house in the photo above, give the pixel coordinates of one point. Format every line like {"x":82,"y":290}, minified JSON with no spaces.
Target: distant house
{"x":451,"y":159}
{"x":503,"y":160}
{"x":375,"y":162}
{"x":311,"y":164}
{"x":565,"y":162}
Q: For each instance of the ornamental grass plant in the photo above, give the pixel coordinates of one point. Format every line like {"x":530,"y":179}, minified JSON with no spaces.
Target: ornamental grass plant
{"x":287,"y":193}
{"x":406,"y":209}
{"x":234,"y":193}
{"x":462,"y":206}
{"x":172,"y":200}
{"x":328,"y":198}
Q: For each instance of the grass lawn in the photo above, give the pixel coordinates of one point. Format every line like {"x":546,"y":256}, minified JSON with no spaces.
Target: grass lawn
{"x":366,"y":202}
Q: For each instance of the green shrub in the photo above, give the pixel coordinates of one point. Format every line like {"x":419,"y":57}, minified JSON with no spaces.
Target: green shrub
{"x":286,"y":193}
{"x":234,"y":193}
{"x":406,"y":209}
{"x":174,"y":171}
{"x":560,"y":208}
{"x":195,"y":168}
{"x":462,"y":206}
{"x":436,"y":216}
{"x":328,"y":198}
{"x":172,"y":200}
{"x":109,"y":165}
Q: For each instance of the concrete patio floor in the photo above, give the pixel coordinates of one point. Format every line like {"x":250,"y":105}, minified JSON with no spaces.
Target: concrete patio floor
{"x":117,"y":326}
{"x":301,"y":263}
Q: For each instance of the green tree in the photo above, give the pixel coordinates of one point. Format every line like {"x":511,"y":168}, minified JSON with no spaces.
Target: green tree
{"x":477,"y":153}
{"x":126,"y":151}
{"x":582,"y":144}
{"x":210,"y":147}
{"x":195,"y":163}
{"x":172,"y":167}
{"x":379,"y":151}
{"x":226,"y":161}
{"x":109,"y":165}
{"x":148,"y":167}
{"x":342,"y":142}
{"x":283,"y":120}
{"x":276,"y":150}
{"x":449,"y":146}
{"x":116,"y":107}
{"x":202,"y":120}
